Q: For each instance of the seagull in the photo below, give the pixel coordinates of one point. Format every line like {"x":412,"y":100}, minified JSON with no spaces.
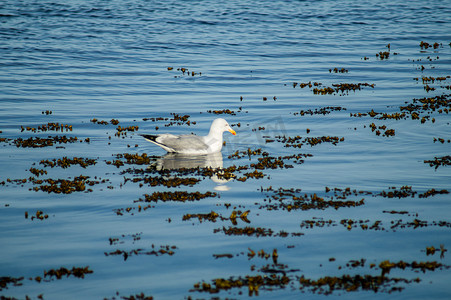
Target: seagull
{"x":190,"y":143}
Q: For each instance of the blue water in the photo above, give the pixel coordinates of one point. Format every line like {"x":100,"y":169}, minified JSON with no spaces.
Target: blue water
{"x":122,"y":59}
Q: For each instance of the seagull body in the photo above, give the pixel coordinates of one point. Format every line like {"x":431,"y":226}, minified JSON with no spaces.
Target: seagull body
{"x":193,"y":144}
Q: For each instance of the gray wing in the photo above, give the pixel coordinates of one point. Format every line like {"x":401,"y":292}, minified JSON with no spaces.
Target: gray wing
{"x":182,"y":143}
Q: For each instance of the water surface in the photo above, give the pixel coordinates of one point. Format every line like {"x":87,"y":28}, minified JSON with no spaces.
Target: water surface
{"x":70,"y":62}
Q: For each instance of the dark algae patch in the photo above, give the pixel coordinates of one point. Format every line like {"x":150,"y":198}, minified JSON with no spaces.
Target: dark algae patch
{"x":422,"y":109}
{"x":181,"y":196}
{"x":38,"y":142}
{"x":140,"y":296}
{"x":336,"y":89}
{"x":66,"y":186}
{"x":321,"y":111}
{"x":298,"y":141}
{"x":252,"y":283}
{"x":254,"y":232}
{"x":48,"y":275}
{"x":66,"y":162}
{"x":353,"y":283}
{"x":439,"y":161}
{"x":168,"y":250}
{"x":7,"y":280}
{"x":294,"y":199}
{"x":78,"y":272}
{"x":214,"y":216}
{"x":48,"y":127}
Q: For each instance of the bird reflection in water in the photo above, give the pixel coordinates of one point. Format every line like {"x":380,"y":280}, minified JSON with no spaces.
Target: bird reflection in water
{"x":174,"y":161}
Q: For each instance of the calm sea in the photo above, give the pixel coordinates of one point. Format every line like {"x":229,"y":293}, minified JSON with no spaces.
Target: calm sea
{"x":340,"y":186}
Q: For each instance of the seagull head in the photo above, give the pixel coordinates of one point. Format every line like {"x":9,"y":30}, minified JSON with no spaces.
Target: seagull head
{"x":221,"y":125}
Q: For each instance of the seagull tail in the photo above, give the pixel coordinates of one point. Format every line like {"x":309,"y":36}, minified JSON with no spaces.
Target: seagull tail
{"x":149,"y":137}
{"x":153,"y":139}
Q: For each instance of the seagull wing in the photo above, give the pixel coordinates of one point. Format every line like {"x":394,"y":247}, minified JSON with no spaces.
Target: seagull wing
{"x":179,"y":143}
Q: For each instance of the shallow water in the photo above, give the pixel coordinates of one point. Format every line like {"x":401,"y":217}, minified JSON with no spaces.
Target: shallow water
{"x":85,"y":60}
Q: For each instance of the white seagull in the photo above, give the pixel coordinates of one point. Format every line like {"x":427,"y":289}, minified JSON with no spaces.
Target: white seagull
{"x":193,"y":144}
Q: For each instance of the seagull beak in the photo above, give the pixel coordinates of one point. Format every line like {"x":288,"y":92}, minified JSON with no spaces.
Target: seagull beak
{"x":232,"y":131}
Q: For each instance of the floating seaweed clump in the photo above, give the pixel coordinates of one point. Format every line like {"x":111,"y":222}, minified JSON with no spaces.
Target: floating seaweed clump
{"x":431,"y":250}
{"x":37,"y":172}
{"x":439,"y":161}
{"x":20,"y":181}
{"x":386,"y":266}
{"x":167,"y":182}
{"x":279,"y":200}
{"x":441,"y":140}
{"x":135,"y":159}
{"x":176,"y":196}
{"x":418,"y":109}
{"x":141,"y":296}
{"x":264,"y":255}
{"x":64,"y":186}
{"x":184,"y":71}
{"x":7,"y":280}
{"x":298,"y":141}
{"x":395,"y":224}
{"x":340,"y":193}
{"x":39,"y":215}
{"x":254,"y":231}
{"x":270,"y":162}
{"x":45,"y":142}
{"x":425,"y":45}
{"x":336,"y":70}
{"x":116,"y":240}
{"x":249,"y":152}
{"x":432,"y":79}
{"x":102,"y":122}
{"x":338,"y":88}
{"x":385,"y":54}
{"x":255,"y":174}
{"x":439,"y":103}
{"x":155,"y":119}
{"x":122,"y":131}
{"x":376,"y":129}
{"x":220,"y":112}
{"x":4,"y":140}
{"x":253,"y":283}
{"x":75,"y":271}
{"x":381,"y":116}
{"x":322,"y":111}
{"x":213,"y":216}
{"x":167,"y":249}
{"x":306,"y":84}
{"x":317,"y":222}
{"x":48,"y":127}
{"x":66,"y":162}
{"x":179,"y":120}
{"x":343,"y":88}
{"x":249,"y":231}
{"x":351,"y":283}
{"x":403,"y":192}
{"x":433,"y":192}
{"x":175,"y":120}
{"x":402,"y":212}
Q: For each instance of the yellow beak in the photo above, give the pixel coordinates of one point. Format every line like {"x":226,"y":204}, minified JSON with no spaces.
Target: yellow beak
{"x":232,"y":131}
